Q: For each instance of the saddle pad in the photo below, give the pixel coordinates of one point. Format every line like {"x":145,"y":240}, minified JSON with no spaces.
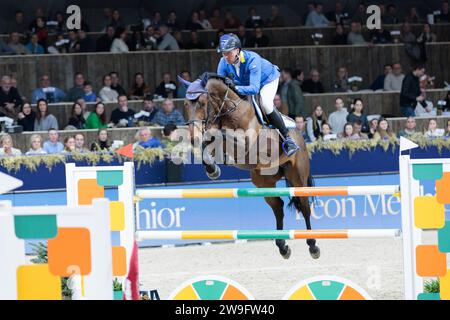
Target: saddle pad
{"x":289,"y":123}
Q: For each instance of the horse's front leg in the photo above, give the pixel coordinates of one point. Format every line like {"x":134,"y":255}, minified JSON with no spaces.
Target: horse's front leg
{"x":212,"y":169}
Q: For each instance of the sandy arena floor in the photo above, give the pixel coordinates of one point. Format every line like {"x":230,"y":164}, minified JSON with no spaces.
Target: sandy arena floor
{"x":374,"y":264}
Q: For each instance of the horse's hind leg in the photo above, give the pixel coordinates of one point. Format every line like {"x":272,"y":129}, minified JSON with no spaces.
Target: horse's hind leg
{"x":276,"y":203}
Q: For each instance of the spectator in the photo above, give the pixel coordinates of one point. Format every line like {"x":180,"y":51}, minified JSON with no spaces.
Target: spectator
{"x":181,"y":90}
{"x":39,"y":14}
{"x":194,"y":22}
{"x":52,"y":145}
{"x":105,"y":41}
{"x":447,"y":130}
{"x":139,"y":89}
{"x":83,"y":105}
{"x":381,"y":36}
{"x":69,"y":145}
{"x":373,"y":127}
{"x":300,"y":76}
{"x":115,"y":83}
{"x":313,"y":84}
{"x":393,"y":80}
{"x":410,"y":92}
{"x":156,"y":19}
{"x":35,"y":146}
{"x":26,"y":117}
{"x":277,"y":103}
{"x":102,"y":141}
{"x":167,"y":88}
{"x":444,"y":15}
{"x":73,"y":45}
{"x":355,"y":36}
{"x":391,"y":17}
{"x":119,"y":45}
{"x":357,"y":130}
{"x":178,"y":36}
{"x":41,"y":31}
{"x":106,"y":93}
{"x":231,"y":22}
{"x":44,"y":120}
{"x":425,"y":108}
{"x":259,"y":40}
{"x":413,"y":16}
{"x":326,"y":133}
{"x":60,"y":45}
{"x":242,"y":35}
{"x":195,"y":43}
{"x":7,"y":148}
{"x":77,"y":91}
{"x":347,"y":133}
{"x":316,"y":18}
{"x":446,"y":106}
{"x":18,"y":25}
{"x":356,"y":114}
{"x":169,"y":134}
{"x":340,"y":37}
{"x":79,"y":143}
{"x":203,"y":20}
{"x":76,"y":117}
{"x":47,"y":92}
{"x":33,"y":46}
{"x":172,"y":22}
{"x":254,"y":20}
{"x":60,"y":23}
{"x":338,"y":118}
{"x":147,"y":113}
{"x":275,"y":20}
{"x":97,"y":119}
{"x":5,"y":49}
{"x":291,"y":94}
{"x":426,"y":36}
{"x":168,"y":114}
{"x":168,"y":42}
{"x":137,"y":39}
{"x":87,"y":44}
{"x":116,"y":20}
{"x":410,"y":128}
{"x":338,"y":16}
{"x":378,"y":84}
{"x":216,"y":19}
{"x":384,"y":131}
{"x":433,"y":130}
{"x":315,"y":122}
{"x":146,"y":140}
{"x":409,"y":39}
{"x":10,"y":99}
{"x":15,"y":45}
{"x":300,"y":127}
{"x":150,"y":41}
{"x":123,"y":116}
{"x":341,"y":83}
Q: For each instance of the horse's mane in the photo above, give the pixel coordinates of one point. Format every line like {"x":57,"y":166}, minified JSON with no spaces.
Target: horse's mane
{"x":218,"y":86}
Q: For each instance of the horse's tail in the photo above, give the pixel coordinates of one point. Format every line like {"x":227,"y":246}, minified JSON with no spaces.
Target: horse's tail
{"x":295,"y":201}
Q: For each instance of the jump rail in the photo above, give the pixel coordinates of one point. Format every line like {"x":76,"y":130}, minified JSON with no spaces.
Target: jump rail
{"x":266,"y":234}
{"x":268,"y":192}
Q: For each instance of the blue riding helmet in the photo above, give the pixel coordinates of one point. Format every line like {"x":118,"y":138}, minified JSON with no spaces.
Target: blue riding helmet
{"x":229,"y":42}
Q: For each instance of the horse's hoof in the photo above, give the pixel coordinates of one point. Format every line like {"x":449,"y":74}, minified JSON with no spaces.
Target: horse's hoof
{"x":215,"y":175}
{"x":287,"y":254}
{"x":314,"y":252}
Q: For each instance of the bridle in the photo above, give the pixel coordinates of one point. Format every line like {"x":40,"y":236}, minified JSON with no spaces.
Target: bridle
{"x":211,"y":119}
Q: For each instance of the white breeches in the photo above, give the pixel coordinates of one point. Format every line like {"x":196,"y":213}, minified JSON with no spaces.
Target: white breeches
{"x":267,"y":94}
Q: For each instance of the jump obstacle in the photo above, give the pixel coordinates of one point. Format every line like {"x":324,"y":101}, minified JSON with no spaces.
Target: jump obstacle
{"x":418,"y":213}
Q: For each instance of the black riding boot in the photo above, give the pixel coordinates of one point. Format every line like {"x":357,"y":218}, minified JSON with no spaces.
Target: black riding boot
{"x":289,"y":146}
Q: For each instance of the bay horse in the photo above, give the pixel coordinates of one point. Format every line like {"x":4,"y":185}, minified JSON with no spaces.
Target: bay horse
{"x":212,"y":104}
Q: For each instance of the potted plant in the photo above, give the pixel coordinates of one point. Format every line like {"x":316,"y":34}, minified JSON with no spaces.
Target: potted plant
{"x":117,"y":288}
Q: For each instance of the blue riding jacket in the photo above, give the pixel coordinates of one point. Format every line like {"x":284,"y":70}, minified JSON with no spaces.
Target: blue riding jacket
{"x":255,"y":72}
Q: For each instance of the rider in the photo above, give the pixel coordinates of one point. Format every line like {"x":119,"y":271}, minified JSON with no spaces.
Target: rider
{"x":253,"y":74}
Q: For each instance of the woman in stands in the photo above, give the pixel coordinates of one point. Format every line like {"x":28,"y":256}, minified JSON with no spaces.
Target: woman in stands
{"x":139,"y":89}
{"x":97,"y":119}
{"x":314,"y":123}
{"x":35,"y":146}
{"x":76,"y":117}
{"x":384,"y":131}
{"x":26,"y":117}
{"x":357,"y":114}
{"x":433,"y":130}
{"x":69,"y":145}
{"x":251,"y":75}
{"x":44,"y":120}
{"x":102,"y":141}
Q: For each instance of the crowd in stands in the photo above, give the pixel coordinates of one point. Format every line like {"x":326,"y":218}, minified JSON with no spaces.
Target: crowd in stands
{"x":32,"y":35}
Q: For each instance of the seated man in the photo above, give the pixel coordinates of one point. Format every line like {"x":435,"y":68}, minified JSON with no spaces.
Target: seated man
{"x":10,"y":99}
{"x":146,"y":139}
{"x":47,"y":92}
{"x":123,"y":116}
{"x":148,"y":112}
{"x":168,"y":114}
{"x":52,"y":145}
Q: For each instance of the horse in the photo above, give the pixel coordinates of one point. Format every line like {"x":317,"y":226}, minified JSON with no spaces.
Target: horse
{"x":212,"y":104}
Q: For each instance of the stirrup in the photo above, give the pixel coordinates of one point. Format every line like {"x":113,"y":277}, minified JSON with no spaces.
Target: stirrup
{"x":289,"y":141}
